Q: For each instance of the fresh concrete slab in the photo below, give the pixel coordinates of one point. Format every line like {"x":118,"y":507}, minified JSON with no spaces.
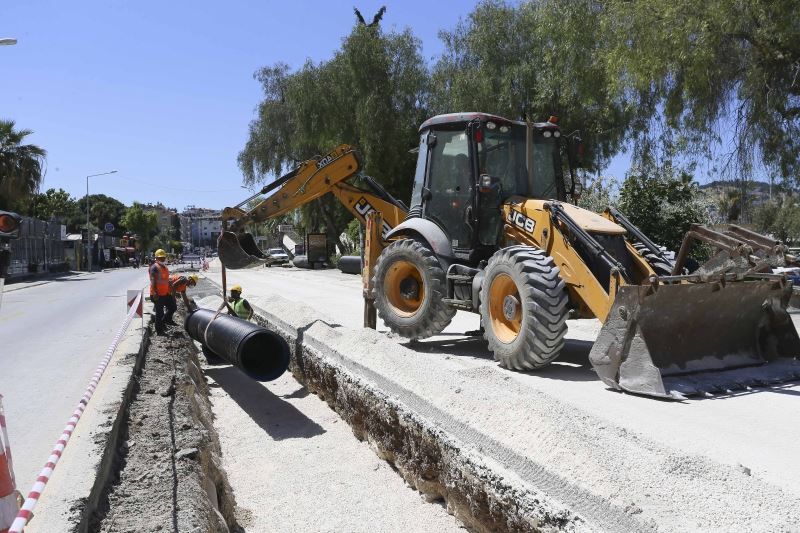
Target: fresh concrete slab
{"x":703,"y":464}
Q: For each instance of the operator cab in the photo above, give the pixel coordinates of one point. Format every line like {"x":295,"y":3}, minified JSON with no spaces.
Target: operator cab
{"x":470,"y":163}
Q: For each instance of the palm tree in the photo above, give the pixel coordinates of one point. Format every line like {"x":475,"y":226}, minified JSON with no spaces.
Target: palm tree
{"x":21,"y":165}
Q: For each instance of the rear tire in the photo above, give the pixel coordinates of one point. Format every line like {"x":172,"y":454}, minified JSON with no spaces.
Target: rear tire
{"x":660,"y":267}
{"x":524,"y":308}
{"x":409,"y":288}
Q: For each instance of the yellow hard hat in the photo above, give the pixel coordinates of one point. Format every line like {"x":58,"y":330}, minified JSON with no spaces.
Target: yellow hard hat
{"x":193,"y":277}
{"x":160,"y":253}
{"x":237,"y":288}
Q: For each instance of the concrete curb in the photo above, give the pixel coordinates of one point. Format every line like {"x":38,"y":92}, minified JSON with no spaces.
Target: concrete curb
{"x":72,"y":497}
{"x":33,"y":282}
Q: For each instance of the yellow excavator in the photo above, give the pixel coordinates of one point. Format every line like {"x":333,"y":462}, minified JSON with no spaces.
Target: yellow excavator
{"x":490,"y":230}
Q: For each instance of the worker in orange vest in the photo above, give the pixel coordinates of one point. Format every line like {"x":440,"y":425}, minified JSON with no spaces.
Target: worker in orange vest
{"x":178,"y":285}
{"x":161,"y":294}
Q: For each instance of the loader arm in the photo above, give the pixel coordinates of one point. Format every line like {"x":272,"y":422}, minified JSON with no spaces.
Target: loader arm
{"x":312,"y":179}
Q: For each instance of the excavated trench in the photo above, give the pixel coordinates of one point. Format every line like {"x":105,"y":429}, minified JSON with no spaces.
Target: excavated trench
{"x":169,"y":475}
{"x":427,"y":458}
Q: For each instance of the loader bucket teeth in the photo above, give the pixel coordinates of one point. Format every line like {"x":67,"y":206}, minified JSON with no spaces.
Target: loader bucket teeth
{"x":672,"y":341}
{"x":238,"y":252}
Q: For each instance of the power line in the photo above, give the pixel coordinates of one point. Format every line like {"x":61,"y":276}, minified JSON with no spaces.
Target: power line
{"x":184,"y":189}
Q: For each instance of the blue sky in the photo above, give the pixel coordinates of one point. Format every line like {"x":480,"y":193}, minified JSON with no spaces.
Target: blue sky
{"x":163,"y":91}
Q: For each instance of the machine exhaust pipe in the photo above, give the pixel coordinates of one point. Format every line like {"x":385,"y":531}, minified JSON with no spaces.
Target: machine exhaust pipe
{"x":256,"y":351}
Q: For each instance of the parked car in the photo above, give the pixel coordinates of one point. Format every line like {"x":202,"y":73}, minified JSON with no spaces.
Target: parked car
{"x":277,"y":255}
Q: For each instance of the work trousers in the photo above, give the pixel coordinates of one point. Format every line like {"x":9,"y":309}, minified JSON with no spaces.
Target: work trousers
{"x":164,"y":302}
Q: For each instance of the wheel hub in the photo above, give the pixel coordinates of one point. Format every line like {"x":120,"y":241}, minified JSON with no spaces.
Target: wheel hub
{"x":505,"y":309}
{"x":409,"y":289}
{"x":404,"y":288}
{"x":510,"y":307}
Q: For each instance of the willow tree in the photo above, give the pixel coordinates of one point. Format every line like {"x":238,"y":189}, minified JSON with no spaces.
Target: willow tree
{"x":719,"y":70}
{"x":535,"y":59}
{"x":371,"y":94}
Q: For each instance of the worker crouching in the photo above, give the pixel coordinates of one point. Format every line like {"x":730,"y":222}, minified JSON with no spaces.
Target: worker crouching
{"x":240,"y":306}
{"x":179,"y":284}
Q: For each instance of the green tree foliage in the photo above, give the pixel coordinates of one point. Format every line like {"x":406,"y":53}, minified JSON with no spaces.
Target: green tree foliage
{"x":52,"y":204}
{"x":56,"y":205}
{"x":663,"y":202}
{"x":536,"y":59}
{"x":600,"y":194}
{"x":729,"y":204}
{"x":370,"y":94}
{"x":21,"y":165}
{"x":103,"y":209}
{"x":780,"y":217}
{"x":707,"y":66}
{"x":143,"y":223}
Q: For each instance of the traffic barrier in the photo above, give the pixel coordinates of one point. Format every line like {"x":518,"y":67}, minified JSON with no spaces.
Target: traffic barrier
{"x":26,"y":512}
{"x":9,"y":496}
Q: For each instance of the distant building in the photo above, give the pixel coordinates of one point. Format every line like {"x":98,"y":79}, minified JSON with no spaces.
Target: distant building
{"x":200,"y":227}
{"x":167,"y":217}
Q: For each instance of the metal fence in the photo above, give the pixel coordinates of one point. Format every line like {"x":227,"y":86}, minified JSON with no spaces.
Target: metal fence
{"x":38,"y":249}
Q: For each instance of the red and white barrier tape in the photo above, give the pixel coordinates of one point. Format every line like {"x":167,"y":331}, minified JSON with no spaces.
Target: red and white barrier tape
{"x":26,"y":511}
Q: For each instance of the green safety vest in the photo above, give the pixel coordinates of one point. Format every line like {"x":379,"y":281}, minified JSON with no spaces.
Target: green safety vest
{"x":240,"y":310}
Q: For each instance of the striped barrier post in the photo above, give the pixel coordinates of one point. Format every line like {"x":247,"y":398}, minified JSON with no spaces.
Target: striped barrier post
{"x":26,"y":512}
{"x":9,"y":496}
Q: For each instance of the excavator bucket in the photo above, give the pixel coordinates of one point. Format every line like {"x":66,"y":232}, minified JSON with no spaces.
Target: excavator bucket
{"x":239,"y":251}
{"x":686,"y":339}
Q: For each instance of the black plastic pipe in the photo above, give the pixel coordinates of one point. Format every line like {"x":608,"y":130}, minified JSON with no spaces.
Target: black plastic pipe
{"x":256,"y":351}
{"x":350,"y":264}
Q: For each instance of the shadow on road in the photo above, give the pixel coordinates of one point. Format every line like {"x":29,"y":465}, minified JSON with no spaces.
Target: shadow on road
{"x":280,"y":419}
{"x":571,"y":365}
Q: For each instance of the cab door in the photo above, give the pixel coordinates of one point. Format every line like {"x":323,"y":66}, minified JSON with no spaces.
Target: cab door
{"x":448,"y":195}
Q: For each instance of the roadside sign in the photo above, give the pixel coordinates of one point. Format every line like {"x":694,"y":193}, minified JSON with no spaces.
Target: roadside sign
{"x":132,"y":294}
{"x":109,"y":227}
{"x":316,"y":247}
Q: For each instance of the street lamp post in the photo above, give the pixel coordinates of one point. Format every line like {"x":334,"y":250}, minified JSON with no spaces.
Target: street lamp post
{"x":7,"y":41}
{"x":88,"y":237}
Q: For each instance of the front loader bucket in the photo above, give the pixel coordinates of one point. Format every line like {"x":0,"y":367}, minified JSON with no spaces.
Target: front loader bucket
{"x":674,"y":341}
{"x":239,"y":251}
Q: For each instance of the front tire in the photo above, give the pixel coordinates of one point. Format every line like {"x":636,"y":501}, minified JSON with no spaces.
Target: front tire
{"x":524,"y":308}
{"x":409,"y":288}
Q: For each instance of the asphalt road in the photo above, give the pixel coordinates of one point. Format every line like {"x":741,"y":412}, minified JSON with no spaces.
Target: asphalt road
{"x":52,"y":336}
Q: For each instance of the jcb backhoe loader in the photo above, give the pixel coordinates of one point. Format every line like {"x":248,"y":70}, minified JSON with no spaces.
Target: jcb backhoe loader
{"x":489,"y":230}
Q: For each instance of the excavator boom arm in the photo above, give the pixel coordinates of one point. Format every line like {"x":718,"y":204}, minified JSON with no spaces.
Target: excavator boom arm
{"x":312,"y":179}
